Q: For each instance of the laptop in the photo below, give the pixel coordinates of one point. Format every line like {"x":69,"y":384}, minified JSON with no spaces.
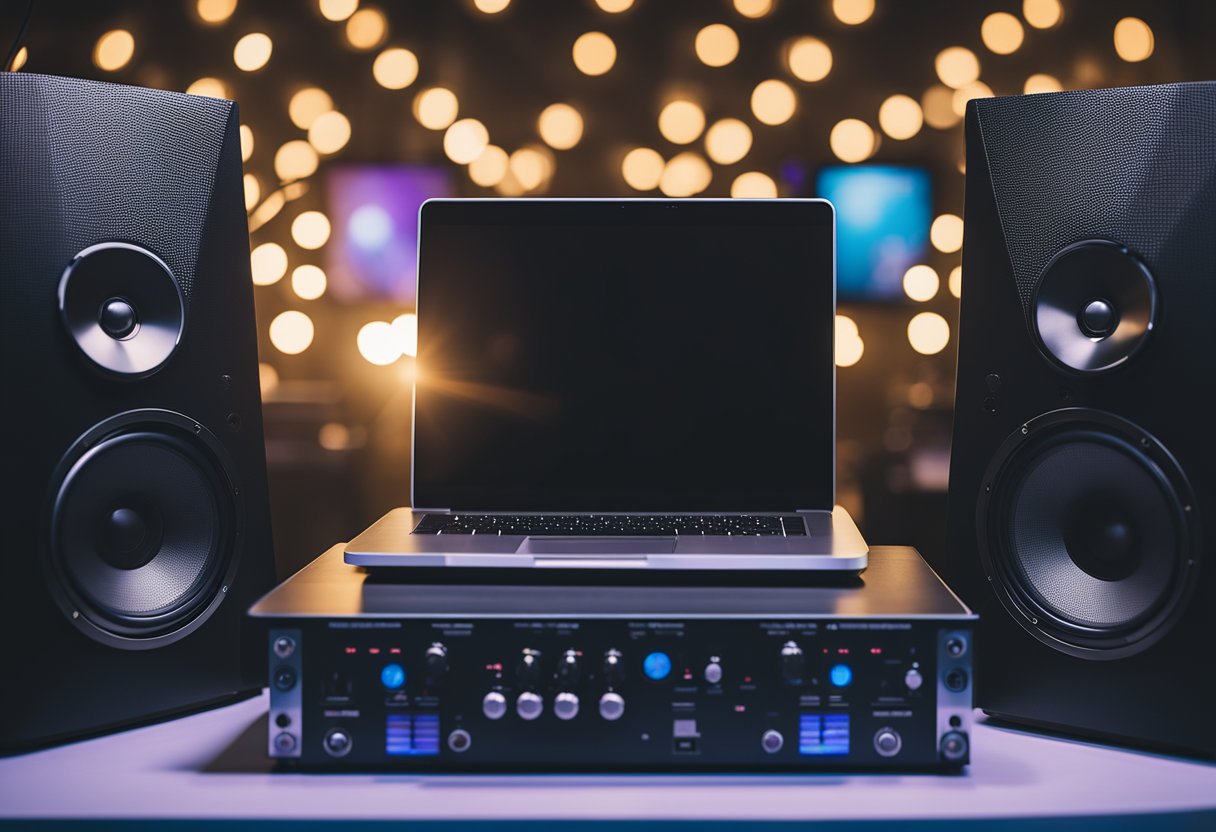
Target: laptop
{"x":623,"y":384}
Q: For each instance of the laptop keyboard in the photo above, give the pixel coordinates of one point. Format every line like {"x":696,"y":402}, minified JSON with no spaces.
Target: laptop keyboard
{"x":615,"y":525}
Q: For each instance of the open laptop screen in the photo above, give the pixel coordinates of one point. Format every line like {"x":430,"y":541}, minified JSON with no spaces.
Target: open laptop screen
{"x":626,"y":355}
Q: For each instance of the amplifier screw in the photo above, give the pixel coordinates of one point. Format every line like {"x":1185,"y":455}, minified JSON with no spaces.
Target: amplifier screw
{"x":1144,"y":441}
{"x":198,"y":428}
{"x":223,"y":589}
{"x":1025,"y":430}
{"x":75,"y":614}
{"x":1186,"y":508}
{"x":1034,"y":621}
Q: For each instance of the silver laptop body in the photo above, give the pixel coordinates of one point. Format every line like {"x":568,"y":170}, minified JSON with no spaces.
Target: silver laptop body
{"x":572,"y":411}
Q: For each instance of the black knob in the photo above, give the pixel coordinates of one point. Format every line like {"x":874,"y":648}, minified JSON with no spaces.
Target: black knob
{"x":569,"y":669}
{"x":614,"y":668}
{"x":527,"y":672}
{"x":436,"y":664}
{"x":284,"y":678}
{"x":793,"y":664}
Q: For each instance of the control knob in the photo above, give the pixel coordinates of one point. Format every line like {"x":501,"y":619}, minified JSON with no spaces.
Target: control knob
{"x":887,"y":742}
{"x":713,"y":672}
{"x":436,"y":664}
{"x":565,"y":705}
{"x":527,"y":672}
{"x":569,"y":669}
{"x":529,"y":705}
{"x":614,"y":668}
{"x":913,"y":679}
{"x":772,"y":741}
{"x":793,"y":664}
{"x":494,"y":705}
{"x":612,"y":706}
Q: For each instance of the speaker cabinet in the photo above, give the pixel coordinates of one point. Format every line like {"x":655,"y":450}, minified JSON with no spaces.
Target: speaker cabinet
{"x":136,"y":522}
{"x":1081,"y":465}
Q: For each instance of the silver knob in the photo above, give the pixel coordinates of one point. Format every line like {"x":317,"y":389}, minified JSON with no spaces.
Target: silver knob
{"x":565,"y":705}
{"x":337,"y":742}
{"x":913,"y":679}
{"x":529,"y":705}
{"x":612,"y":706}
{"x":713,"y":673}
{"x":772,"y":741}
{"x":459,"y":740}
{"x":494,"y":705}
{"x":887,"y":742}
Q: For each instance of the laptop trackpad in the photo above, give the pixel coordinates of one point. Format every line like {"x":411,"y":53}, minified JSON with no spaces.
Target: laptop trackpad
{"x":598,"y":546}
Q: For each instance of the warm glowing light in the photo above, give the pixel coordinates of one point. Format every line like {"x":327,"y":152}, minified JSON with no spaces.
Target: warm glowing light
{"x":561,"y":126}
{"x":329,"y":132}
{"x":728,"y":141}
{"x":308,"y":282}
{"x":853,"y":12}
{"x":529,"y":167}
{"x":267,"y":264}
{"x":213,"y":87}
{"x":1042,"y":14}
{"x":1133,"y":39}
{"x":252,"y":191}
{"x":291,"y":332}
{"x":955,"y":281}
{"x":338,"y":10}
{"x":378,"y":343}
{"x":215,"y":12}
{"x":614,"y":6}
{"x":268,"y":378}
{"x":946,"y":233}
{"x":976,"y":89}
{"x":681,"y":121}
{"x":488,"y":169}
{"x":491,"y":6}
{"x":114,"y":50}
{"x":774,"y":102}
{"x":252,"y":51}
{"x":310,"y":230}
{"x":852,"y":140}
{"x":395,"y":69}
{"x":1042,"y":82}
{"x":685,"y":175}
{"x":465,"y":140}
{"x":436,"y":108}
{"x":900,"y":117}
{"x":334,"y":436}
{"x":642,"y":168}
{"x":921,"y":282}
{"x":246,"y":142}
{"x":849,"y":346}
{"x":307,"y":104}
{"x":366,"y":29}
{"x":809,"y":59}
{"x":716,"y":45}
{"x":753,"y":185}
{"x":405,"y":333}
{"x":594,"y":53}
{"x":753,"y":8}
{"x":1002,"y":33}
{"x":928,"y":333}
{"x":23,"y":55}
{"x":847,"y":325}
{"x":957,"y":66}
{"x":938,"y":106}
{"x":295,"y":160}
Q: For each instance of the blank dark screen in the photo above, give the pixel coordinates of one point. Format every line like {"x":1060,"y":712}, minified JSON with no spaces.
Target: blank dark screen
{"x":625,"y":356}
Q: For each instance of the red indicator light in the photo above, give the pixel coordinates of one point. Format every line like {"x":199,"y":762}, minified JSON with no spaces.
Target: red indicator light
{"x":844,"y":651}
{"x":875,"y":651}
{"x":375,"y":651}
{"x":396,"y":651}
{"x":747,"y":679}
{"x":740,"y":709}
{"x":350,"y":651}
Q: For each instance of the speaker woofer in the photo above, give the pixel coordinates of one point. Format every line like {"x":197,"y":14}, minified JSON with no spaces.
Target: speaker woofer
{"x":143,"y":522}
{"x":1088,"y":534}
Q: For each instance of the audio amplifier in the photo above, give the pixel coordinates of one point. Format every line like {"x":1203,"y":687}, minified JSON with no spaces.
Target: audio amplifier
{"x":368,"y":673}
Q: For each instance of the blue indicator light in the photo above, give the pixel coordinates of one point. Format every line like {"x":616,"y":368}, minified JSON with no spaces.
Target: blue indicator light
{"x":392,"y":676}
{"x":841,"y":674}
{"x":656,"y":666}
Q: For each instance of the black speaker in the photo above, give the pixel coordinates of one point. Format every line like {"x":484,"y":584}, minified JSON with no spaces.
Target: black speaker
{"x":135,"y":516}
{"x":1082,"y":455}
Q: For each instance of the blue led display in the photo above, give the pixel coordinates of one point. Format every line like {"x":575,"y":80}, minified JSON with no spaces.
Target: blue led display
{"x":823,"y":734}
{"x":841,"y":675}
{"x":656,"y":666}
{"x":392,"y":676}
{"x":411,"y":735}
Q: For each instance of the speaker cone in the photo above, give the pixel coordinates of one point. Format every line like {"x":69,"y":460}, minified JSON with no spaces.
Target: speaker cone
{"x":1087,"y":533}
{"x":143,"y":527}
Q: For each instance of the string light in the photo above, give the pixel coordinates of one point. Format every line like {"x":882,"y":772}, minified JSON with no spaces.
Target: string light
{"x":852,"y":12}
{"x":529,"y":167}
{"x":291,"y":332}
{"x":1041,"y":82}
{"x":946,"y":233}
{"x":114,"y":50}
{"x":488,"y":169}
{"x":957,"y":66}
{"x":1002,"y":33}
{"x":308,"y":282}
{"x":366,"y":29}
{"x":681,"y":121}
{"x":23,"y":55}
{"x":716,"y":45}
{"x":395,"y":69}
{"x":329,"y":132}
{"x":1133,"y":40}
{"x":560,"y":126}
{"x":377,"y":343}
{"x":728,"y":141}
{"x":753,"y":185}
{"x":938,"y":106}
{"x":267,"y":264}
{"x":928,"y":333}
{"x":955,"y":281}
{"x":310,"y":230}
{"x":809,"y":59}
{"x":436,"y":108}
{"x":215,"y":12}
{"x":849,"y":346}
{"x":642,"y":168}
{"x":900,"y":117}
{"x":685,"y":175}
{"x":405,"y":333}
{"x":338,"y":10}
{"x":252,"y":52}
{"x":774,"y":102}
{"x":1042,"y":14}
{"x":491,"y":6}
{"x":307,"y":104}
{"x":921,"y":283}
{"x":268,"y":378}
{"x":852,"y":140}
{"x":252,"y":191}
{"x":753,"y":8}
{"x":976,"y":89}
{"x":246,"y":142}
{"x":594,"y":53}
{"x":614,"y":6}
{"x":465,"y":140}
{"x":295,"y":160}
{"x":213,"y":87}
